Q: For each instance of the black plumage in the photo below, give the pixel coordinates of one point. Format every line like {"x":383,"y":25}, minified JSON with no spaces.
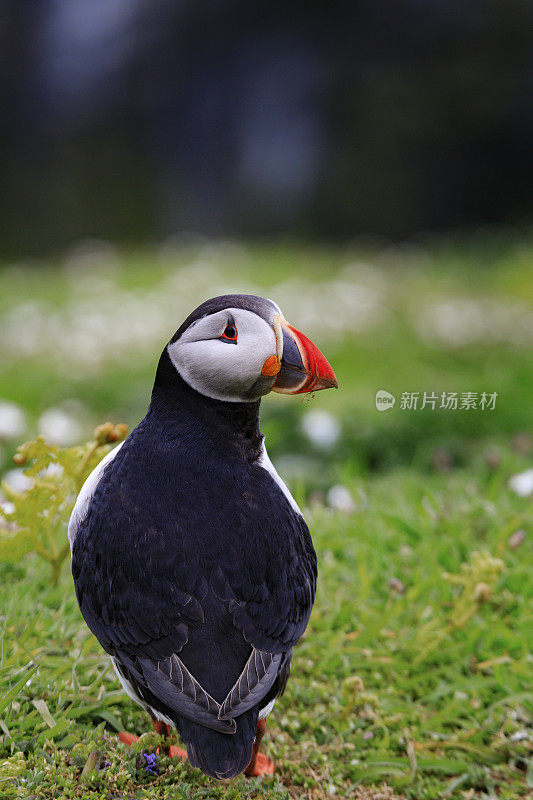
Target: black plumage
{"x":191,"y":566}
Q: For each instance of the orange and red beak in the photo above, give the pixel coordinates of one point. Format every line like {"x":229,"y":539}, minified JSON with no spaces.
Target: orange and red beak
{"x":303,"y":367}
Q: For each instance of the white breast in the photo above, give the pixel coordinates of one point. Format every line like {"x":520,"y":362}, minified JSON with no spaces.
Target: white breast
{"x":264,"y":712}
{"x":265,"y":462}
{"x":84,"y":498}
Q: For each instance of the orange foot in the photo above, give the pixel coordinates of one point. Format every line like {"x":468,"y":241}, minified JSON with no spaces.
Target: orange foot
{"x":127,"y":738}
{"x":260,"y":764}
{"x":263,"y":766}
{"x":163,"y":730}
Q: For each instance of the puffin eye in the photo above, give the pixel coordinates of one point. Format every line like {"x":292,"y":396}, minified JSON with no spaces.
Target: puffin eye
{"x":230,"y":332}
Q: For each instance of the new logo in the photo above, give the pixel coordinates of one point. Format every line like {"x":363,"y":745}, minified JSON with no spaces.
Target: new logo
{"x":384,"y":400}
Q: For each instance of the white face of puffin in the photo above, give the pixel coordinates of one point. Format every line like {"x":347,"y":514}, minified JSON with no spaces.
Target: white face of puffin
{"x":236,"y":354}
{"x":223,"y":355}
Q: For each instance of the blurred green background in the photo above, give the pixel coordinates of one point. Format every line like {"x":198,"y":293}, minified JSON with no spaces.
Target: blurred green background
{"x":366,"y":165}
{"x":81,"y":336}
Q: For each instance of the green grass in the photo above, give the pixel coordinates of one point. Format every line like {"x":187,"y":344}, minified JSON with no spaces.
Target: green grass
{"x":424,"y":684}
{"x":414,"y":678}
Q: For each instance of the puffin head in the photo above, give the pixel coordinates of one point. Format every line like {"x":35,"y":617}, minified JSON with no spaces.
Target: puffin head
{"x":238,"y":347}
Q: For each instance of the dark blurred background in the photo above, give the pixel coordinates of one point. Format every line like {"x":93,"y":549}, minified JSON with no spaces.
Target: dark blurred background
{"x":129,"y":120}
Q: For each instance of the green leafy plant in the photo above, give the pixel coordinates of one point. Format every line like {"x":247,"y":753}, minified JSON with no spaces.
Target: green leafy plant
{"x":475,"y":582}
{"x":36,"y":520}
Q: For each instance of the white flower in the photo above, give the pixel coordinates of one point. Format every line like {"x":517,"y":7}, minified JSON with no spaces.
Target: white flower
{"x":456,"y":321}
{"x":340,"y":499}
{"x":7,"y":507}
{"x":12,"y":421}
{"x":522,"y":483}
{"x":58,"y":427}
{"x":51,"y":470}
{"x":520,"y":736}
{"x":17,"y":481}
{"x":321,"y":428}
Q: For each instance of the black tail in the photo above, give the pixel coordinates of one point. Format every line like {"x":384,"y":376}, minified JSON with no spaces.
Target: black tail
{"x":220,"y":755}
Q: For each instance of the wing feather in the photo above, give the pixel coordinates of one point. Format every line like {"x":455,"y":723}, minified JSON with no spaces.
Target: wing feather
{"x":171,"y":682}
{"x":257,"y":677}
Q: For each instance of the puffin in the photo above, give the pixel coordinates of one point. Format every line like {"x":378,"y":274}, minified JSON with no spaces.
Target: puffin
{"x":192,"y":563}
